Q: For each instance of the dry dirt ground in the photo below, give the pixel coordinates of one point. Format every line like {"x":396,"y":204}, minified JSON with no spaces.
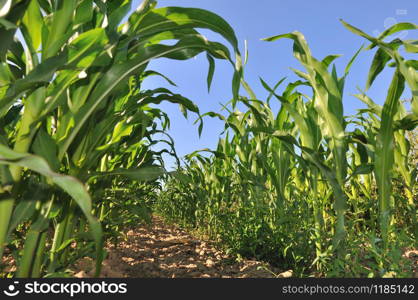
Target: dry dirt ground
{"x":165,"y":251}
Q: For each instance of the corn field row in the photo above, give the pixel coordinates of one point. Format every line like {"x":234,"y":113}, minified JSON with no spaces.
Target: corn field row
{"x":300,"y":187}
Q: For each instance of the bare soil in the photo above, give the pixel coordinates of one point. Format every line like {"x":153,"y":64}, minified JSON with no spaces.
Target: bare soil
{"x":165,"y":251}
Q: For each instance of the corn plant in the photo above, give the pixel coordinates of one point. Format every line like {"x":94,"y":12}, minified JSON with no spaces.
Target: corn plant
{"x":406,"y":71}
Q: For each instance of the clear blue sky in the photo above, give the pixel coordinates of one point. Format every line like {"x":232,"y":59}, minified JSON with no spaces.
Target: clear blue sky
{"x":252,"y":20}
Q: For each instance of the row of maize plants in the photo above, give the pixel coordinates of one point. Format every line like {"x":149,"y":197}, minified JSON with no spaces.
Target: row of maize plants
{"x":309,"y":187}
{"x":76,"y":125}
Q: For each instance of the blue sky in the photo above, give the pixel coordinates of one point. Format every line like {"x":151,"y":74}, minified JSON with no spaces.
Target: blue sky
{"x":253,"y":20}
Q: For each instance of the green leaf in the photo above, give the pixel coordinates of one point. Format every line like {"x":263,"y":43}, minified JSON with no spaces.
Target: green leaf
{"x":60,"y":27}
{"x":65,"y":244}
{"x":33,"y":22}
{"x":69,"y":184}
{"x":211,"y":71}
{"x":409,"y":122}
{"x":155,"y":73}
{"x":396,"y":28}
{"x":362,"y":169}
{"x":44,"y":145}
{"x":411,"y":46}
{"x":329,"y":59}
{"x":40,"y":75}
{"x":380,"y":59}
{"x":350,"y":63}
{"x":84,"y":12}
{"x":384,"y":156}
{"x":140,"y":174}
{"x":176,"y":18}
{"x":185,"y":179}
{"x":14,"y":16}
{"x":174,"y":98}
{"x":119,"y":72}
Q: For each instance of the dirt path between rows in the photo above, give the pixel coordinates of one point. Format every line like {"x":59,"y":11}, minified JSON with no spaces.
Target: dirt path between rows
{"x":165,"y":251}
